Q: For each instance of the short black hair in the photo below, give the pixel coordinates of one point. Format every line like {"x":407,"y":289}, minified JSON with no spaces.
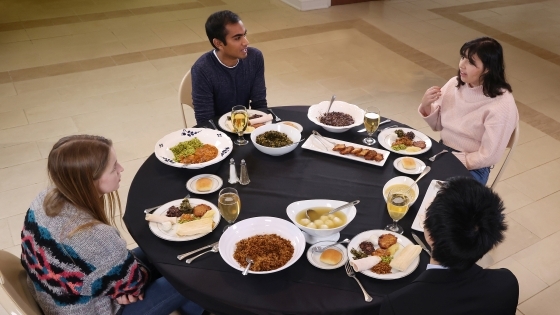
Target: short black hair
{"x":464,"y":221}
{"x":216,"y":25}
{"x":490,"y":52}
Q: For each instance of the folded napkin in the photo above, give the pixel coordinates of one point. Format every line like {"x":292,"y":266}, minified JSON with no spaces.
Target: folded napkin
{"x":364,"y":263}
{"x":160,"y":218}
{"x":261,"y":120}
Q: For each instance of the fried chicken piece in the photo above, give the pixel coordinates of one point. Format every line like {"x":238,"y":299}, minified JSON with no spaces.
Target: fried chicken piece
{"x":381,"y":252}
{"x":347,"y":150}
{"x":364,"y":152}
{"x":370,"y":155}
{"x":386,"y":240}
{"x":200,"y":210}
{"x":339,"y":147}
{"x":420,"y":144}
{"x":403,"y":140}
{"x":356,"y":151}
{"x":378,"y":157}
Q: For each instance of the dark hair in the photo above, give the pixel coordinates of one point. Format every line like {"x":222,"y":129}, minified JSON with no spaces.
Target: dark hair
{"x":464,"y":221}
{"x":216,"y":25}
{"x":490,"y":52}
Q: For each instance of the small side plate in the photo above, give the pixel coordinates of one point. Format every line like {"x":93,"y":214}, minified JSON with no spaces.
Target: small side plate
{"x":216,"y":184}
{"x":315,"y":260}
{"x":293,"y":124}
{"x":420,"y":166}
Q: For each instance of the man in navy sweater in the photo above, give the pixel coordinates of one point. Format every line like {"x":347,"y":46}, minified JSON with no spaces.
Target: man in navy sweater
{"x":231,"y":74}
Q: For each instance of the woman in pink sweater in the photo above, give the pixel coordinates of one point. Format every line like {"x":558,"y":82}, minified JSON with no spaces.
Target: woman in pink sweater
{"x":475,"y":111}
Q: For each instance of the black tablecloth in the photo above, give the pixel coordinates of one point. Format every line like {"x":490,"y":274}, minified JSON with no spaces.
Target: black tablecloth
{"x":275,"y":183}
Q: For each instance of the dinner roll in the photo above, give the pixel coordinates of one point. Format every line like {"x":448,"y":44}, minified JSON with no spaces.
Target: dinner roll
{"x":203,"y":184}
{"x":408,"y":163}
{"x":331,"y":256}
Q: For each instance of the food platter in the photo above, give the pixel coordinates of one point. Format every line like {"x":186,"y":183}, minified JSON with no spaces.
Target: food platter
{"x":171,"y":235}
{"x":222,"y":122}
{"x":315,"y":258}
{"x":314,"y":144}
{"x":207,"y":136}
{"x":217,"y":182}
{"x":420,"y":166}
{"x":387,"y":136}
{"x":402,"y":240}
{"x":431,"y":192}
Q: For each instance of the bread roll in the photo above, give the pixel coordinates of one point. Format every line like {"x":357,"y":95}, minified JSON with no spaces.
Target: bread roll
{"x":408,"y":163}
{"x":203,"y":184}
{"x":331,"y":256}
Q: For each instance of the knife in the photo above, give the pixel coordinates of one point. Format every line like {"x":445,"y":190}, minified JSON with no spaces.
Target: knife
{"x":180,"y":257}
{"x":419,"y":241}
{"x":381,"y":123}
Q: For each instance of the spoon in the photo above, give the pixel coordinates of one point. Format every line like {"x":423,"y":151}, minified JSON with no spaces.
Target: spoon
{"x":332,"y":101}
{"x":318,"y":249}
{"x":214,"y":249}
{"x":344,"y":206}
{"x":294,"y":143}
{"x":426,"y":170}
{"x":250,"y":262}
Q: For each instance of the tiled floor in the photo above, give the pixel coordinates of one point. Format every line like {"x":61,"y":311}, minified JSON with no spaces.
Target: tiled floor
{"x":113,"y":68}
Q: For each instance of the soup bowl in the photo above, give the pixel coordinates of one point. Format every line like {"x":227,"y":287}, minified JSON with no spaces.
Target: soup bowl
{"x":291,"y":132}
{"x":404,"y":180}
{"x":312,"y":235}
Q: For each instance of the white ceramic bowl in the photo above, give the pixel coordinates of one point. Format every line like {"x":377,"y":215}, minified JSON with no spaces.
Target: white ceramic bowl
{"x":292,"y":133}
{"x":401,"y":180}
{"x":295,"y":207}
{"x":338,"y":106}
{"x":260,"y":225}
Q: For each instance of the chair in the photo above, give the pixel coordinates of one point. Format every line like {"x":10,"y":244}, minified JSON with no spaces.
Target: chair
{"x":185,"y":94}
{"x":14,"y":295}
{"x":511,"y":144}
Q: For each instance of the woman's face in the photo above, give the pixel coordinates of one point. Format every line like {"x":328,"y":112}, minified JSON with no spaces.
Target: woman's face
{"x":111,"y":177}
{"x":470,"y":73}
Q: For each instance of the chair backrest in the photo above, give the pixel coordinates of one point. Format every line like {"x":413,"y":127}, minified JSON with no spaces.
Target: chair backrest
{"x":14,"y":294}
{"x":185,"y":94}
{"x":511,"y":144}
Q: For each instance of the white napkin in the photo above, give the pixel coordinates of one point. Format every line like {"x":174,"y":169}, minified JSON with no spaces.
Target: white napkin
{"x":364,"y":263}
{"x":260,"y":120}
{"x":160,"y":218}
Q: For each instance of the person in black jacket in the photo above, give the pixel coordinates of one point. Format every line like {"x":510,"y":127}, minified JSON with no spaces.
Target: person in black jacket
{"x":462,"y":224}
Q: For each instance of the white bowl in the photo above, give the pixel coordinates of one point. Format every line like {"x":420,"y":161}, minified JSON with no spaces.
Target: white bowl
{"x":257,"y":226}
{"x":401,"y":180}
{"x":338,"y":106}
{"x":292,"y":133}
{"x":295,"y":207}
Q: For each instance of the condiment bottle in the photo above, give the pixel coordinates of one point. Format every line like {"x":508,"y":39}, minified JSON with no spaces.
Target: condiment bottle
{"x":243,"y":174}
{"x":232,"y":172}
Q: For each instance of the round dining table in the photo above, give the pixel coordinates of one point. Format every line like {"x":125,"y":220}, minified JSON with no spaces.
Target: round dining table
{"x":275,"y":182}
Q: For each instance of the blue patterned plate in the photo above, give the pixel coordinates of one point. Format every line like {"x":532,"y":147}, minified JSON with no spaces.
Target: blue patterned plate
{"x":207,"y":136}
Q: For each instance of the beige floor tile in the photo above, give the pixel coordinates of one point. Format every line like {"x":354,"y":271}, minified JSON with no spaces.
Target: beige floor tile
{"x":536,"y":182}
{"x":544,"y":303}
{"x":143,"y":43}
{"x":5,"y":234}
{"x":517,"y":238}
{"x":541,"y":217}
{"x":48,"y":129}
{"x":7,"y":89}
{"x":12,"y":119}
{"x":529,"y":284}
{"x":17,"y":201}
{"x":513,"y":198}
{"x":14,"y":250}
{"x":541,"y":259}
{"x":23,"y":175}
{"x":13,"y":36}
{"x":19,"y":154}
{"x":48,"y":31}
{"x":528,"y":133}
{"x":531,"y":154}
{"x":15,"y":223}
{"x":21,"y":101}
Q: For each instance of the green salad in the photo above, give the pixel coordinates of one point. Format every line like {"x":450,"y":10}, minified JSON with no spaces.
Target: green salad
{"x":185,"y":148}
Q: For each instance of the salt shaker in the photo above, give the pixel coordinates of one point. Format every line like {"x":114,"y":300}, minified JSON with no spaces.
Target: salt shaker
{"x":232,"y":172}
{"x":243,"y":174}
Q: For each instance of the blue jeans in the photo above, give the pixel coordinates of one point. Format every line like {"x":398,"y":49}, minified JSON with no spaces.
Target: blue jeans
{"x":481,"y":174}
{"x":160,"y":298}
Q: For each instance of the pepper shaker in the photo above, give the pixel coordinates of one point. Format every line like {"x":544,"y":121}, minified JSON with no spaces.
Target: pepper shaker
{"x":232,"y":172}
{"x":243,"y":174}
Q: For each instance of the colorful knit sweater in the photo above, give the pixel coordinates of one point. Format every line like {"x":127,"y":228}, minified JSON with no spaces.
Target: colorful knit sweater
{"x":472,"y":123}
{"x":81,"y":274}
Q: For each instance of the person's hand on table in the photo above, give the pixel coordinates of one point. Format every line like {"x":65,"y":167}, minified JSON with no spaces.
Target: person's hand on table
{"x":431,"y":95}
{"x":129,"y":299}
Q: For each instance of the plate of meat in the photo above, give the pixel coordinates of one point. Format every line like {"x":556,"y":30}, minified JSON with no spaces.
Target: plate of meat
{"x":404,"y":141}
{"x":256,"y":119}
{"x":346,"y":150}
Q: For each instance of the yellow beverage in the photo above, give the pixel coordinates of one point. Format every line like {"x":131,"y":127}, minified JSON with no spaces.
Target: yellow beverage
{"x":371,"y":122}
{"x":239,"y":121}
{"x":229,"y":205}
{"x":397,"y":205}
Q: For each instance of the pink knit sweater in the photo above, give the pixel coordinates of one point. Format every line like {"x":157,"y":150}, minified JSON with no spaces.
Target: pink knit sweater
{"x":472,"y":123}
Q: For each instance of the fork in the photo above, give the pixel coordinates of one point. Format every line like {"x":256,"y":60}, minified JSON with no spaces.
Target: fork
{"x":214,"y":249}
{"x":152,"y":209}
{"x":277,"y":118}
{"x":350,"y":272}
{"x":212,"y":123}
{"x":433,"y":158}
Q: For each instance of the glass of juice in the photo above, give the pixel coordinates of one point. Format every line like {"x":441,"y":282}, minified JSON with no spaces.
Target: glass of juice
{"x":398,"y":202}
{"x":371,"y":122}
{"x":239,"y":122}
{"x":229,"y":205}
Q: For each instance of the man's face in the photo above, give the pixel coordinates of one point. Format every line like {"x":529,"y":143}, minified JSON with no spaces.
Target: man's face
{"x":236,"y":40}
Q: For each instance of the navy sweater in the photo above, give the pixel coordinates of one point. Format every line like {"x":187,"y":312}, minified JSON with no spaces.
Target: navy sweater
{"x":216,"y":88}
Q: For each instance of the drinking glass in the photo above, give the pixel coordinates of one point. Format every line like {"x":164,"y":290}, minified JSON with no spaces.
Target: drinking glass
{"x":371,"y":122}
{"x":239,"y":121}
{"x":398,"y":202}
{"x":229,"y":205}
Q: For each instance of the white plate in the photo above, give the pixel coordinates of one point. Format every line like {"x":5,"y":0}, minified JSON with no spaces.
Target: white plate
{"x":420,"y":166}
{"x":216,"y":184}
{"x":315,"y":258}
{"x":171,"y":235}
{"x":293,"y":124}
{"x":431,"y":193}
{"x":260,"y":225}
{"x":207,"y":136}
{"x":403,"y":241}
{"x":387,"y":136}
{"x":223,"y":119}
{"x":314,"y":144}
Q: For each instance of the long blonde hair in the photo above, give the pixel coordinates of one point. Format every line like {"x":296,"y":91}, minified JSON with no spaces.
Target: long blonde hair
{"x":74,"y":165}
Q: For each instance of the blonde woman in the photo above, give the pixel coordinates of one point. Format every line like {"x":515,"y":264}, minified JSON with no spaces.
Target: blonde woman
{"x":75,"y":260}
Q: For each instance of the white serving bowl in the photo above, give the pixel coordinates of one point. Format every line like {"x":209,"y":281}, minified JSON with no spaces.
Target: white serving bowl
{"x":257,"y":226}
{"x":338,"y":106}
{"x":295,"y":207}
{"x":401,"y":180}
{"x":292,"y":133}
